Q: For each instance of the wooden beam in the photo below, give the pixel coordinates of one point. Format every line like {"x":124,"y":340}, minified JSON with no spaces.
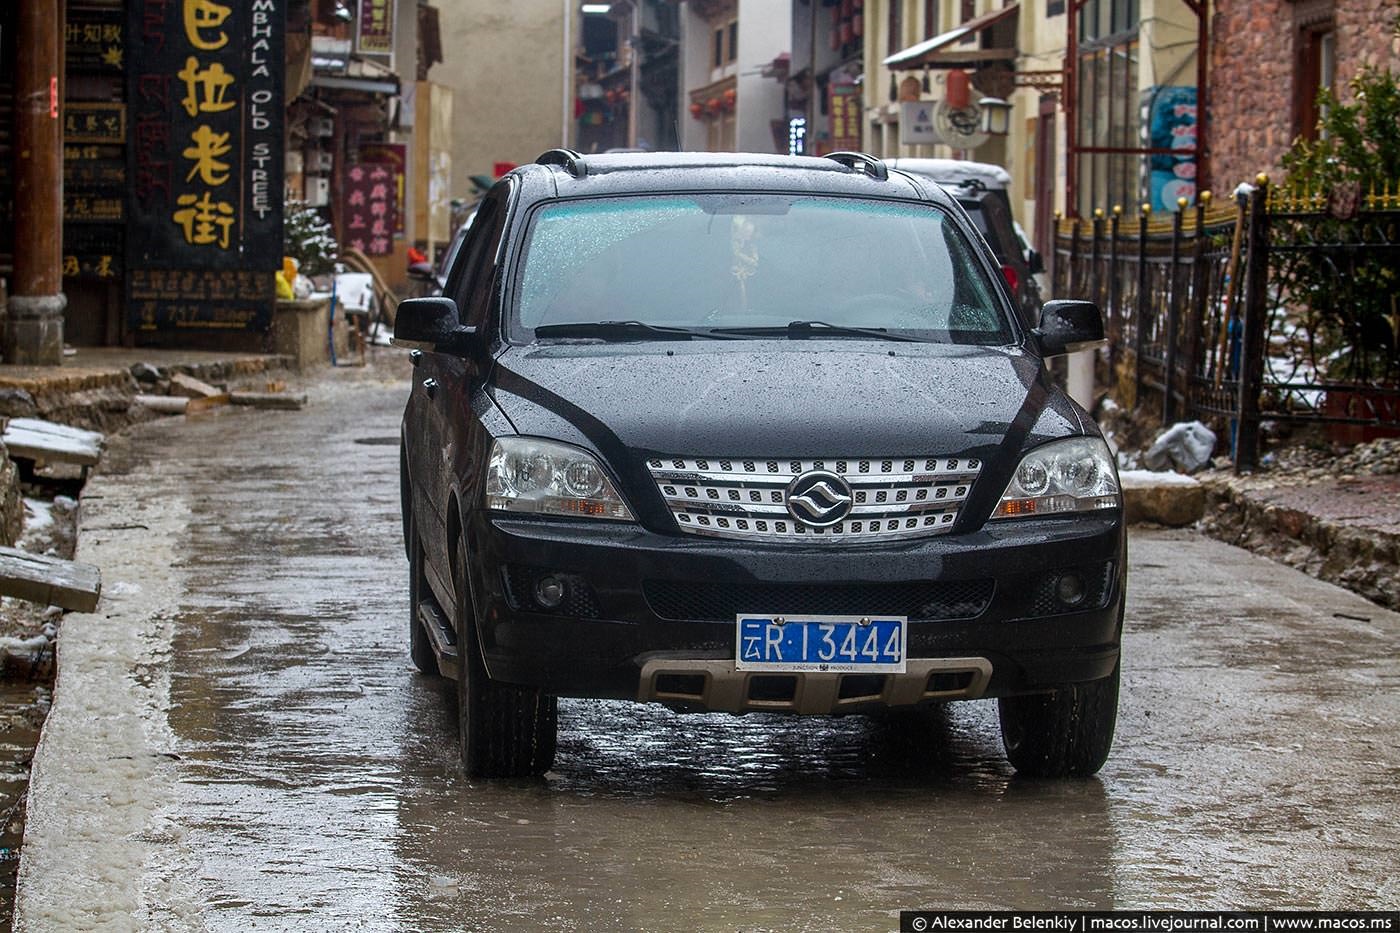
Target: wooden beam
{"x":46,"y":442}
{"x":49,"y":581}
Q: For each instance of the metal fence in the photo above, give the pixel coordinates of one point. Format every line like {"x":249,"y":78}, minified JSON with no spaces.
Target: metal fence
{"x":1270,"y":308}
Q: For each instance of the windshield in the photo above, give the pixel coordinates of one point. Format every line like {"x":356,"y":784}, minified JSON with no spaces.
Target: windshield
{"x":748,"y":262}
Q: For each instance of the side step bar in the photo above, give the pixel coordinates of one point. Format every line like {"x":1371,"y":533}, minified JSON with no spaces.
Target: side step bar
{"x":441,"y":635}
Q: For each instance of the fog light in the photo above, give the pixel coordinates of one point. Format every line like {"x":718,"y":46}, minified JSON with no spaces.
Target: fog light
{"x":549,"y":592}
{"x":1069,"y":589}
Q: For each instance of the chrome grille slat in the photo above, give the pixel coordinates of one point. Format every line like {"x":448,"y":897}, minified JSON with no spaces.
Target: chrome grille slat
{"x":894,"y":497}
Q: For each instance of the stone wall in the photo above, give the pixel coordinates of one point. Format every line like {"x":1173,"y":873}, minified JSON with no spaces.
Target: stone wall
{"x":11,"y":501}
{"x":1252,"y":82}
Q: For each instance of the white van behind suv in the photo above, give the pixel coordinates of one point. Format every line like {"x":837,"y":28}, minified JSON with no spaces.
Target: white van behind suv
{"x":982,"y":190}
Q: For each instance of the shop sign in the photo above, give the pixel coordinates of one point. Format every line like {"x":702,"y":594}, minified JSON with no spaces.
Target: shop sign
{"x":369,"y":209}
{"x":394,"y":155}
{"x":1171,"y":114}
{"x":844,"y":108}
{"x":916,"y":124}
{"x":93,"y":41}
{"x":85,"y":122}
{"x":92,"y":252}
{"x":205,"y":162}
{"x":375,"y":35}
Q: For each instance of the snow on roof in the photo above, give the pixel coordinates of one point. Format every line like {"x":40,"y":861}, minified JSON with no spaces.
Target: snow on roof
{"x":953,"y":171}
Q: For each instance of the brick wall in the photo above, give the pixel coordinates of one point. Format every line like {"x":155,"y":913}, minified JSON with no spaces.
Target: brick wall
{"x":1252,"y":80}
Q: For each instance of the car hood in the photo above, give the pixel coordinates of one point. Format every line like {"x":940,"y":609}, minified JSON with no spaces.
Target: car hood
{"x":780,"y":398}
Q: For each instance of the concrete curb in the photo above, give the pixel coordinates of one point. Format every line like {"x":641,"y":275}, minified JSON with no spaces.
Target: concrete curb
{"x":1170,"y":499}
{"x":1356,"y":550}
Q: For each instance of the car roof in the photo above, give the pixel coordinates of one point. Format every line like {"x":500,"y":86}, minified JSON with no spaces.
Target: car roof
{"x":569,"y":174}
{"x":955,"y":171}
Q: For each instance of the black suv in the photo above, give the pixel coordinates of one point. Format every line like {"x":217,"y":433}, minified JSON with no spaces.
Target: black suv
{"x":752,"y":433}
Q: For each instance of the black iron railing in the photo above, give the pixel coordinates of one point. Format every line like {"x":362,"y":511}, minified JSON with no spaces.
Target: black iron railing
{"x":1270,"y":308}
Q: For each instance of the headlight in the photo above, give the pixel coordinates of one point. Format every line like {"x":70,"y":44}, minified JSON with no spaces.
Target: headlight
{"x":527,"y":474}
{"x":1073,"y":475}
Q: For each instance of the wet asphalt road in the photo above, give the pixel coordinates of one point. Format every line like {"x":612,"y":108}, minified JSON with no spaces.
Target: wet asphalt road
{"x":284,"y":767}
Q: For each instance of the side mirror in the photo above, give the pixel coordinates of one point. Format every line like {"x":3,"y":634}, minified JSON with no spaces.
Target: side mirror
{"x":1066,"y":326}
{"x":1035,"y":262}
{"x":430,"y":324}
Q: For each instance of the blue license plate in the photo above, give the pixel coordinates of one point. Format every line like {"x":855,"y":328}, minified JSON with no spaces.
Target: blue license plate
{"x":868,"y":644}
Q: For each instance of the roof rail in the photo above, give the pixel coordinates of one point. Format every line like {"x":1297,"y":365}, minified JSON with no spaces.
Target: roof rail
{"x":571,"y":161}
{"x":861,"y":162}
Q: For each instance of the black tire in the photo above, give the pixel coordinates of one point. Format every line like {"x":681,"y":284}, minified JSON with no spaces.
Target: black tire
{"x":420,"y":649}
{"x":506,"y":731}
{"x":1067,"y":733}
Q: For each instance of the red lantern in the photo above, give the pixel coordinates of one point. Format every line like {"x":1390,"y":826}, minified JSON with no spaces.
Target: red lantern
{"x":697,"y":109}
{"x":713,"y":105}
{"x":959,"y":89}
{"x":730,"y":96}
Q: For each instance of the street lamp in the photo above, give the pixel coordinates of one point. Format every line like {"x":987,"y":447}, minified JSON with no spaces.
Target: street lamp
{"x":996,"y":116}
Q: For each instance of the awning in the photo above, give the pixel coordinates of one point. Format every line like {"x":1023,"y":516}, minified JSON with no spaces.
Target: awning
{"x":930,"y":53}
{"x":355,"y":84}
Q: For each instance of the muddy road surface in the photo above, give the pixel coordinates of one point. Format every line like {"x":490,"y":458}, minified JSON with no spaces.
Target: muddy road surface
{"x":238,"y":741}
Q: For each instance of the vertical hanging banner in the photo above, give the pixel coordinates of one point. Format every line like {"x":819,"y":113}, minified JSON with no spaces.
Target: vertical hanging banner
{"x":375,"y":32}
{"x":369,"y":209}
{"x":394,"y":155}
{"x":205,"y":112}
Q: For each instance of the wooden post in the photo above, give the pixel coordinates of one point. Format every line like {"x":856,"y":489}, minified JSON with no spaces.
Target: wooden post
{"x":1140,"y":328}
{"x":34,"y":328}
{"x":1254,"y":321}
{"x":1195,"y":323}
{"x":1072,"y":273}
{"x":1115,"y":295}
{"x":1173,"y":322}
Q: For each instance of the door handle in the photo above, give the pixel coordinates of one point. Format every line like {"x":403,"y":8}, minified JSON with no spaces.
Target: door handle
{"x":415,"y":356}
{"x":430,"y":386}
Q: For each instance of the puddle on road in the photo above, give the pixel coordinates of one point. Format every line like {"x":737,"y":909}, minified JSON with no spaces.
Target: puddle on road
{"x":22,"y":704}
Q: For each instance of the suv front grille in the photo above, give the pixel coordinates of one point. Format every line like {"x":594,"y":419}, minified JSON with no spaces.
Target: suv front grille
{"x":896,"y":497}
{"x":921,"y":600}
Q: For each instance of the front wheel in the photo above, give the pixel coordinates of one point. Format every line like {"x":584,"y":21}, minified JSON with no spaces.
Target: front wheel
{"x":1066,"y":733}
{"x":506,"y":731}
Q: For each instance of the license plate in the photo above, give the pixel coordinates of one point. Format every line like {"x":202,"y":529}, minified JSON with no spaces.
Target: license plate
{"x":868,"y":644}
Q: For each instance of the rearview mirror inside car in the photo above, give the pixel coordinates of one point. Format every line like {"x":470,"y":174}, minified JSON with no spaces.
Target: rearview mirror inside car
{"x":1067,"y":326}
{"x":431,"y":324}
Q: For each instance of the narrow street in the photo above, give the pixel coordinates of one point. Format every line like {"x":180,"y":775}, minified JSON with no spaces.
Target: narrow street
{"x":239,"y":740}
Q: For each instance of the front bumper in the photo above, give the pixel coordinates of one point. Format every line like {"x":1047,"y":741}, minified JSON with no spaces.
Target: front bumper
{"x":614,"y":638}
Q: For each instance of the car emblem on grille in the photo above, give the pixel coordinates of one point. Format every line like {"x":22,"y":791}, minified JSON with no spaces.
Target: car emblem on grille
{"x":819,"y":498}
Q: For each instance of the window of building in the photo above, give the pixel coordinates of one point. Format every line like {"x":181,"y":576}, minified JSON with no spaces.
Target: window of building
{"x":930,"y":18}
{"x":1316,"y":64}
{"x":969,"y":10}
{"x":1107,"y":106}
{"x":896,"y":27}
{"x":726,"y":44}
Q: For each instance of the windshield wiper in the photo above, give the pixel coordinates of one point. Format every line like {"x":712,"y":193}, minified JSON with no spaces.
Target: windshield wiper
{"x":797,"y":329}
{"x":630,"y":329}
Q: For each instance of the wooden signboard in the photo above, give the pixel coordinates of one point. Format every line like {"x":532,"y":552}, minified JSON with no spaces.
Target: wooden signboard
{"x":205,"y":162}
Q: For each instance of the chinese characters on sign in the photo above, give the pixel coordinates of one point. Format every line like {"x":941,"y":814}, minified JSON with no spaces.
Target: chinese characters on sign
{"x":93,"y":41}
{"x":845,"y":110}
{"x":395,"y":156}
{"x":94,"y":139}
{"x":370,"y":209}
{"x":375,"y":35}
{"x":205,"y":95}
